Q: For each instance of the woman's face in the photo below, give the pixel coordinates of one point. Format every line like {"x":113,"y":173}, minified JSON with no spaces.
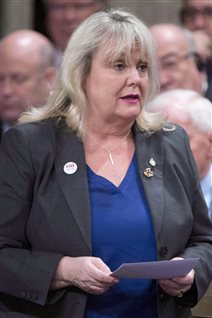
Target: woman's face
{"x":116,"y":90}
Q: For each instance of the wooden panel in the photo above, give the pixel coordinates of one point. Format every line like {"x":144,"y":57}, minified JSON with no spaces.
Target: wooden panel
{"x":204,"y":308}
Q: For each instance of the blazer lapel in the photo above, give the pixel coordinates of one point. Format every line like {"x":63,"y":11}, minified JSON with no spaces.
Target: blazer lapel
{"x":74,"y":185}
{"x":150,"y":146}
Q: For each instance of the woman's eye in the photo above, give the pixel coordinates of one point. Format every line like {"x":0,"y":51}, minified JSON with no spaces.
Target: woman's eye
{"x":142,"y":67}
{"x":118,"y":66}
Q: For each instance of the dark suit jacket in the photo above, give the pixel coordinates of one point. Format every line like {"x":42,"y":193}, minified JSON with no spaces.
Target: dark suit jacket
{"x":45,"y":214}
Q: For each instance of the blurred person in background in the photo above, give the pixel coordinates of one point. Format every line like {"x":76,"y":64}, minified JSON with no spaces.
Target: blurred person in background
{"x":27,"y":74}
{"x":197,"y":15}
{"x":194,"y":113}
{"x":179,"y":64}
{"x":63,"y":16}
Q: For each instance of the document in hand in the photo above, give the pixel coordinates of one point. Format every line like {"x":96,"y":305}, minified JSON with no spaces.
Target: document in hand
{"x":156,"y":270}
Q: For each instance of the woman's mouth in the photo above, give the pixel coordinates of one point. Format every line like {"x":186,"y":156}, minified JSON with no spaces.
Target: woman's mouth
{"x":131,"y":98}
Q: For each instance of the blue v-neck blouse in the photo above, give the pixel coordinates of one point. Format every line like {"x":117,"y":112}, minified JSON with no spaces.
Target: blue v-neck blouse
{"x":122,"y":232}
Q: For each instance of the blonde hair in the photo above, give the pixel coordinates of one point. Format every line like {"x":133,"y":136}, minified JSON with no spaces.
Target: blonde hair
{"x":68,"y":100}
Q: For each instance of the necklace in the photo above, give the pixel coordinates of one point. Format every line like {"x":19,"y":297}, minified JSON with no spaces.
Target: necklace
{"x":109,"y":151}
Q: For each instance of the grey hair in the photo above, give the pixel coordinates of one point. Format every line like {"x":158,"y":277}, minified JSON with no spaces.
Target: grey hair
{"x":113,"y":27}
{"x":198,"y":107}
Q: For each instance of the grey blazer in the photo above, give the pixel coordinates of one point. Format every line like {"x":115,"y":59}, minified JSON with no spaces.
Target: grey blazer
{"x":45,"y":214}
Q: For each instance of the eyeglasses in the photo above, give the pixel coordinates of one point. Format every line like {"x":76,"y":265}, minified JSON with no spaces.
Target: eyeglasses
{"x":191,"y":13}
{"x":170,"y":63}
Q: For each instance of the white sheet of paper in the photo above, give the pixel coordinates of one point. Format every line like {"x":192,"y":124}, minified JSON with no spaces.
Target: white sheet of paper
{"x":156,"y":270}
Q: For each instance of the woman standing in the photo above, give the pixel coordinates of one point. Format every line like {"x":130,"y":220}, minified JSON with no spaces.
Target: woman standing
{"x":92,"y":181}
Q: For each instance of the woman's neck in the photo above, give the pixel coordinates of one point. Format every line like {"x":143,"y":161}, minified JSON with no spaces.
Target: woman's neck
{"x":112,"y":146}
{"x":106,"y":131}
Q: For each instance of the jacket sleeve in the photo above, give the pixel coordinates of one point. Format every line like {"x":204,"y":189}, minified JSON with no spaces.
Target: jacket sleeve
{"x":24,"y":273}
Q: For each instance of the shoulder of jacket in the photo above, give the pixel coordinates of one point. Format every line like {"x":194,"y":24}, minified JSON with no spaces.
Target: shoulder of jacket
{"x":172,"y":131}
{"x":168,"y":129}
{"x":36,"y":135}
{"x":35,"y":128}
{"x":172,"y":128}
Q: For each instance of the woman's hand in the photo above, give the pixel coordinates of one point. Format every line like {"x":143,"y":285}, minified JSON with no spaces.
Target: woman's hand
{"x":177,"y":286}
{"x":90,"y":274}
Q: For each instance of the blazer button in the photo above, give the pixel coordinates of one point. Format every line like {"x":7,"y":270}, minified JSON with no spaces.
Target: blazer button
{"x":163,"y":251}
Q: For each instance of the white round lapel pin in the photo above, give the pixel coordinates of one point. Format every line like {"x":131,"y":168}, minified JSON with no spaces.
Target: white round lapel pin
{"x":70,"y":167}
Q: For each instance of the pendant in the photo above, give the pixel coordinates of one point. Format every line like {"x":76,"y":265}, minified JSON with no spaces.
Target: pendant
{"x":111,"y":158}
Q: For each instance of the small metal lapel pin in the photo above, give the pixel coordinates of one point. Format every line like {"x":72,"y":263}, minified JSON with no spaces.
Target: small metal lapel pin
{"x":152,"y":162}
{"x":148,"y":173}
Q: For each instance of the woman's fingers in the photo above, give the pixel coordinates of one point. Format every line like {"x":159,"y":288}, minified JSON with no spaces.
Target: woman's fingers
{"x":177,"y":286}
{"x":91,"y":275}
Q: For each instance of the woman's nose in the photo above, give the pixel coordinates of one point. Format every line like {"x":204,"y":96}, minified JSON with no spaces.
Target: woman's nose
{"x":133,"y":77}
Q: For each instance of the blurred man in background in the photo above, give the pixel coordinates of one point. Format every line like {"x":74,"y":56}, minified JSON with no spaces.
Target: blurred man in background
{"x":27,"y":74}
{"x":179,"y":64}
{"x":63,"y":16}
{"x":197,"y":15}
